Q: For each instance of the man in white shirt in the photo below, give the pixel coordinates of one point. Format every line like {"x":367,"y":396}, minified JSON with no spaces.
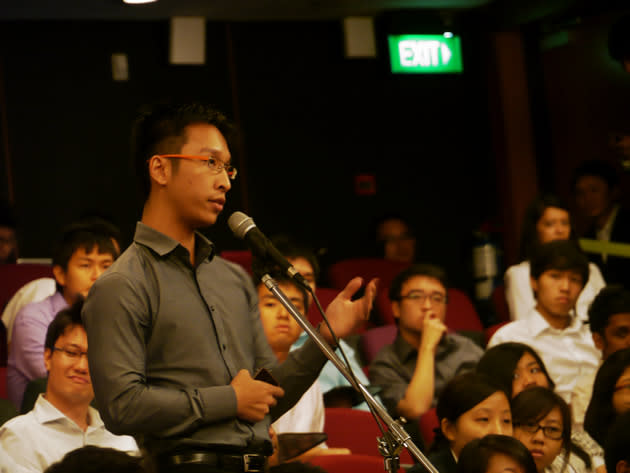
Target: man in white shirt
{"x":62,"y":419}
{"x":559,"y":271}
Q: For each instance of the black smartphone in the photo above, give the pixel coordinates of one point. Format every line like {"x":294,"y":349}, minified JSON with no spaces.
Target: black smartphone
{"x":263,"y":374}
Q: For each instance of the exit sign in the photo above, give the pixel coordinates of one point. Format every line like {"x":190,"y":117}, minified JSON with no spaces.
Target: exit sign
{"x":425,"y":54}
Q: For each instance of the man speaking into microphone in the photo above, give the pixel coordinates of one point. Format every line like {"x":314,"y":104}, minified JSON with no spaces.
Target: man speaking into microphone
{"x":174,"y":331}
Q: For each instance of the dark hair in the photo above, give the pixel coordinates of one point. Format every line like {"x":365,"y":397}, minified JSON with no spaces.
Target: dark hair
{"x":597,"y":168}
{"x":81,"y":235}
{"x":533,"y":213}
{"x":460,"y":395}
{"x":561,"y":255}
{"x":427,"y":270}
{"x":279,"y":277}
{"x":532,"y":405}
{"x":65,"y":319}
{"x":617,"y":442}
{"x":102,"y":224}
{"x":500,"y":362}
{"x":476,"y":454}
{"x":161,"y":130}
{"x":611,"y":300}
{"x":600,"y":413}
{"x":291,"y":249}
{"x":92,"y":459}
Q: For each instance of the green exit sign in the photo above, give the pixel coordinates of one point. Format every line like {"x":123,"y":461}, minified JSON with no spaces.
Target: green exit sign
{"x":425,"y":54}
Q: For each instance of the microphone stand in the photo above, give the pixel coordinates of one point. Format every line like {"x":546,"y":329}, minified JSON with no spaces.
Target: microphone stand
{"x":396,"y":437}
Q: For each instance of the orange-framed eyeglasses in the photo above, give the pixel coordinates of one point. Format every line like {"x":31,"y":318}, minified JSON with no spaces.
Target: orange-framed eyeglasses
{"x":214,"y":164}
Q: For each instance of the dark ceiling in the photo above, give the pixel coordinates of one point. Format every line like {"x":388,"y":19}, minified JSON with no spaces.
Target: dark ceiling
{"x":238,"y":10}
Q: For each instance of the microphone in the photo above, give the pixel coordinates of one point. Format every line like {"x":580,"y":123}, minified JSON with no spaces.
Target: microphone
{"x":244,"y":228}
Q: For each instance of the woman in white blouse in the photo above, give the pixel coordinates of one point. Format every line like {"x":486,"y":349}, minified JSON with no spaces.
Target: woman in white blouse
{"x":546,"y":219}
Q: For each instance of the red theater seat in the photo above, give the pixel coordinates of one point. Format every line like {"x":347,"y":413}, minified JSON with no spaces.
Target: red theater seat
{"x":14,"y":276}
{"x":350,"y":464}
{"x":325,"y":296}
{"x":374,"y":339}
{"x":342,"y":272}
{"x":242,"y":257}
{"x":356,"y":430}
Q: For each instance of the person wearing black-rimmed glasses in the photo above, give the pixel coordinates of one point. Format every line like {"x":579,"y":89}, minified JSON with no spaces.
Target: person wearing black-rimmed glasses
{"x":62,"y":419}
{"x":175,"y":331}
{"x":423,"y":358}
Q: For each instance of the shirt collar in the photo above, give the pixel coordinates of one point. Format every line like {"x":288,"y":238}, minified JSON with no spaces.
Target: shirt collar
{"x":163,"y":244}
{"x":538,"y":324}
{"x":45,"y":412}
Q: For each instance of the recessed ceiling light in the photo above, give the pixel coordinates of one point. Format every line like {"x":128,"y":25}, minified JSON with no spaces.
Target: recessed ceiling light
{"x":138,"y":2}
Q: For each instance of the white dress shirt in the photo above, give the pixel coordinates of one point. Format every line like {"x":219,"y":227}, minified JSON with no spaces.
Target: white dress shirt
{"x":42,"y":437}
{"x":568,"y":354}
{"x":305,"y":416}
{"x":520,"y":295}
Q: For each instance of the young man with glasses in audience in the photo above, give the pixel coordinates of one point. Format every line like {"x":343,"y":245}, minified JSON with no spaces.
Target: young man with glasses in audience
{"x":62,"y":419}
{"x":415,"y":368}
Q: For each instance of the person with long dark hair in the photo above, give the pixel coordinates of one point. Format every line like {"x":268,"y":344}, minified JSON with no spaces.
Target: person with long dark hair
{"x":470,"y":406}
{"x":611,"y":395}
{"x":542,"y":421}
{"x":517,"y":367}
{"x":546,"y":219}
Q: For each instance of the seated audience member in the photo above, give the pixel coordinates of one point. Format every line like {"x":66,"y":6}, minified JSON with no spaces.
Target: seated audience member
{"x":564,"y":343}
{"x":41,"y":288}
{"x":617,"y":445}
{"x":80,"y":257}
{"x":517,"y":367}
{"x":415,"y":368}
{"x":546,"y":219}
{"x":396,"y":239}
{"x":470,"y":407}
{"x":92,"y":459}
{"x":609,"y":322}
{"x":597,"y":193}
{"x":542,"y":422}
{"x":282,"y":331}
{"x":495,"y":454}
{"x":8,"y":235}
{"x":330,"y":378}
{"x":62,"y":419}
{"x":611,"y":395}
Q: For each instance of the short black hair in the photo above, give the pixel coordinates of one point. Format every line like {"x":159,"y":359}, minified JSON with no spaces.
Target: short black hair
{"x":597,"y":168}
{"x":476,"y":454}
{"x":426,"y":270}
{"x":85,"y":235}
{"x":65,"y":319}
{"x":561,"y":255}
{"x":292,"y":249}
{"x":600,"y":413}
{"x":500,"y":362}
{"x":93,"y":459}
{"x":611,"y":300}
{"x":617,"y":443}
{"x":533,"y":404}
{"x":280,"y":278}
{"x":160,"y":129}
{"x":533,"y":213}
